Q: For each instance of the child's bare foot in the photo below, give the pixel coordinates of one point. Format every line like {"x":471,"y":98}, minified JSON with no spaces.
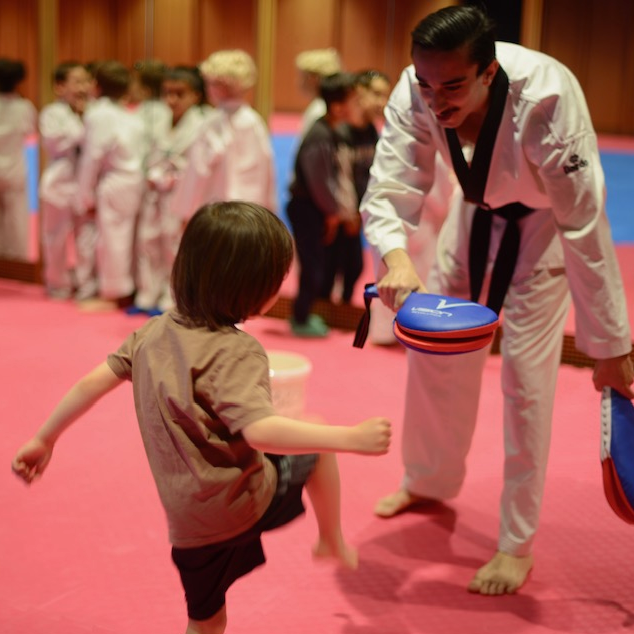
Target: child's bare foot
{"x":398,"y":502}
{"x":504,"y":574}
{"x":346,"y":555}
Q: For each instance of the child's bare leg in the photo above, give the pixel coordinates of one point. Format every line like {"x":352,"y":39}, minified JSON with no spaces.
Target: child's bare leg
{"x":324,"y":491}
{"x":215,"y":625}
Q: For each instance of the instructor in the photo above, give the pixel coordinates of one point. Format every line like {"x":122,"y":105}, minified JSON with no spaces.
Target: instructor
{"x":529,"y":230}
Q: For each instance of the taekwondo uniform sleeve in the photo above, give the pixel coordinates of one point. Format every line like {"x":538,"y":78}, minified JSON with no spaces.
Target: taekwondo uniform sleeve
{"x":62,"y":134}
{"x":96,"y":142}
{"x":250,"y":157}
{"x":205,"y":177}
{"x":59,"y":130}
{"x":564,"y":148}
{"x":402,"y":172}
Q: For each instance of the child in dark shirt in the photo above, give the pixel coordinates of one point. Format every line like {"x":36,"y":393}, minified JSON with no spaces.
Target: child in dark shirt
{"x":322,"y":196}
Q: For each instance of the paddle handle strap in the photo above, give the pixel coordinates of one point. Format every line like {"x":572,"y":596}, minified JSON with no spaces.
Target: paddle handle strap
{"x":361,"y":335}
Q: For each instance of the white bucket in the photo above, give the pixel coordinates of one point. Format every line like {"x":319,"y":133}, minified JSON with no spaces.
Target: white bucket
{"x":288,"y":372}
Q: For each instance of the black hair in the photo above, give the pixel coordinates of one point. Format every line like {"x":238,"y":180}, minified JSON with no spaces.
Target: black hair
{"x":337,"y":87}
{"x":12,"y":72}
{"x":61,"y":72}
{"x":92,"y":67}
{"x":452,"y":28}
{"x":232,"y":259}
{"x":190,"y":75}
{"x":113,"y":79}
{"x":150,"y":73}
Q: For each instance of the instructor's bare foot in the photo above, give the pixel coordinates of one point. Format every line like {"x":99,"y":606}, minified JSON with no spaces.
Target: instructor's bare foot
{"x":337,"y":550}
{"x":504,"y":574}
{"x":398,"y":502}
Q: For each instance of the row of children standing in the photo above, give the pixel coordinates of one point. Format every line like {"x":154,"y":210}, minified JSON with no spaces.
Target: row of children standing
{"x":338,"y":137}
{"x":127,"y":170}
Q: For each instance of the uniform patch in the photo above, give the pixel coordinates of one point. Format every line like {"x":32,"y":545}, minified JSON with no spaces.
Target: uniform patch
{"x":576,"y":163}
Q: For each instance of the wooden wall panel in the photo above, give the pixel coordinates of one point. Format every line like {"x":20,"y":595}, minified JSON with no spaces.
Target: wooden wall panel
{"x":596,"y":45}
{"x":128,"y":31}
{"x":301,"y":25}
{"x":626,"y":83}
{"x":85,"y":31}
{"x":226,"y":24}
{"x":175,"y":37}
{"x":363,"y":27}
{"x":607,"y":73}
{"x":19,"y":40}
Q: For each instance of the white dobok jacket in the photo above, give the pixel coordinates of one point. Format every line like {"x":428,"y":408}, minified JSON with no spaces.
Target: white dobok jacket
{"x":62,"y":135}
{"x":545,"y":156}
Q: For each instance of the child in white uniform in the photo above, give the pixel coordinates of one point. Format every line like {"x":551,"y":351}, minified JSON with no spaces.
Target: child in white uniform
{"x":62,"y":135}
{"x":233,"y":159}
{"x":111,"y":182}
{"x":159,"y":228}
{"x":18,"y":120}
{"x":146,"y":103}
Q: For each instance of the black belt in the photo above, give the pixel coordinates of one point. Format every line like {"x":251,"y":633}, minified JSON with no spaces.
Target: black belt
{"x":506,"y":258}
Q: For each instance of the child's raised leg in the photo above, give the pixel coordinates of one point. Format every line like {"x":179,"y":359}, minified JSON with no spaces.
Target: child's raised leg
{"x":215,"y":625}
{"x":323,"y":488}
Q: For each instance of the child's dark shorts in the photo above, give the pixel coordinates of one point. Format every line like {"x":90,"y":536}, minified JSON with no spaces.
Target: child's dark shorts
{"x":207,"y":572}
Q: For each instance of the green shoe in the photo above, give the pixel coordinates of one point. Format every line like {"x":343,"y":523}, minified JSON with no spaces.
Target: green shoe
{"x":315,"y":326}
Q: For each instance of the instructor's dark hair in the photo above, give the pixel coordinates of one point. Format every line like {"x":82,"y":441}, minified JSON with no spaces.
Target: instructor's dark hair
{"x":453,"y":27}
{"x":232,"y":260}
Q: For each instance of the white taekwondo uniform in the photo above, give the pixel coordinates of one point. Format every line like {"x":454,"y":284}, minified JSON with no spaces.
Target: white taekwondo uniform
{"x":110,"y":180}
{"x":18,"y":119}
{"x":421,"y":246}
{"x":545,"y":156}
{"x":159,"y":228}
{"x":232,"y":160}
{"x":62,"y":136}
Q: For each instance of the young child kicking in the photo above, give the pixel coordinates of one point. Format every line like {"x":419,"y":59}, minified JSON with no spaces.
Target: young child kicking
{"x":203,"y":402}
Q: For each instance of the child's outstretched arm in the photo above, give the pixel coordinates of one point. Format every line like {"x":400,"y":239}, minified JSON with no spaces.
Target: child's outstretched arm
{"x":32,"y":458}
{"x":277,"y":434}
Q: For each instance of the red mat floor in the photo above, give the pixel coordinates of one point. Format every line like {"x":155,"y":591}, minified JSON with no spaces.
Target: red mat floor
{"x":85,"y":549}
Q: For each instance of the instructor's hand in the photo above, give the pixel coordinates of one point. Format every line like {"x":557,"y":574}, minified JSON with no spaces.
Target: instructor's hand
{"x":399,"y":281}
{"x":617,"y":373}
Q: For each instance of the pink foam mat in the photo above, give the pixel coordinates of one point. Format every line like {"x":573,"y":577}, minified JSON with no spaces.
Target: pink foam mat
{"x":85,"y":549}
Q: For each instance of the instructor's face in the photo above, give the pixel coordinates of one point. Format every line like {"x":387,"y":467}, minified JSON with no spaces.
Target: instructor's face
{"x":450,"y":85}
